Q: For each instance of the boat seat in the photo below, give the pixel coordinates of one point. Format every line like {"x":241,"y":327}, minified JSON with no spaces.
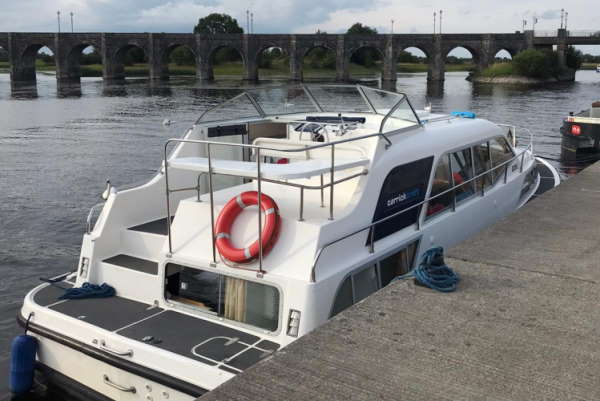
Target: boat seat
{"x":299,"y":169}
{"x":343,"y":151}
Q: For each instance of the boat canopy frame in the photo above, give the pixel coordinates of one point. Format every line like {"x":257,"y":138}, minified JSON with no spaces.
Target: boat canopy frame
{"x":374,"y":101}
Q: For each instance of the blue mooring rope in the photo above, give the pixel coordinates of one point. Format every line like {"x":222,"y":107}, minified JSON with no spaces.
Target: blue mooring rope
{"x":433,"y":272}
{"x":88,"y":290}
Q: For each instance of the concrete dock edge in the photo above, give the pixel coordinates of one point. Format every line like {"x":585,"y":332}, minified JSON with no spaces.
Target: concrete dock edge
{"x":524,"y":323}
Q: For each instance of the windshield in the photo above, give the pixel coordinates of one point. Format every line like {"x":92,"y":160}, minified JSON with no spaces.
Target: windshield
{"x":263,"y":102}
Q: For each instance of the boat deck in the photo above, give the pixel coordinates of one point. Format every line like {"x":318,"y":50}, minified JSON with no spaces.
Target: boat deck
{"x":217,"y":345}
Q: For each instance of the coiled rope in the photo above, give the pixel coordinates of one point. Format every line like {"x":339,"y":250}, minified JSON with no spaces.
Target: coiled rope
{"x":433,"y":272}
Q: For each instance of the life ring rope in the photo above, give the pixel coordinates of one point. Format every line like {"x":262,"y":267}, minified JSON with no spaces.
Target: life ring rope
{"x":231,"y":211}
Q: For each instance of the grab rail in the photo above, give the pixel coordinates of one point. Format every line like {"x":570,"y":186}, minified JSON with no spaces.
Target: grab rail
{"x":453,"y":188}
{"x":90,"y":216}
{"x":259,"y":179}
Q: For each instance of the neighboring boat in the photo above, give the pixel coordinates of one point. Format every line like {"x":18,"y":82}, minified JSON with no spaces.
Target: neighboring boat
{"x":354,"y":186}
{"x":581,"y":132}
{"x":598,"y":68}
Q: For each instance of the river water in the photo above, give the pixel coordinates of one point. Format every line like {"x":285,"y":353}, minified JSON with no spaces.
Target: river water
{"x":58,"y":148}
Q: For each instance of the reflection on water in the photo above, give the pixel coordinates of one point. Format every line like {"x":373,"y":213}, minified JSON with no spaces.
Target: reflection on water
{"x":60,"y":144}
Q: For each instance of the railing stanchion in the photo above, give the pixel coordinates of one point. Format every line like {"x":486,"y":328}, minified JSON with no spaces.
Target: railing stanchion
{"x":331,"y":182}
{"x":372,"y":240}
{"x":322,"y":192}
{"x":198,"y":187}
{"x":505,"y":173}
{"x":301,"y":217}
{"x":260,"y":246}
{"x":453,"y":183}
{"x":522,"y":161}
{"x":168,"y":203}
{"x":212,"y":205}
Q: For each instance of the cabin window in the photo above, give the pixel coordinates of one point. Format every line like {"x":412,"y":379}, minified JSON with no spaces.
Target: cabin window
{"x":500,"y":152}
{"x":439,"y":188}
{"x":462,"y":171}
{"x":232,"y":298}
{"x":344,"y":298}
{"x":397,"y":264}
{"x":363,"y":282}
{"x":481,"y":156}
{"x":404,"y":186}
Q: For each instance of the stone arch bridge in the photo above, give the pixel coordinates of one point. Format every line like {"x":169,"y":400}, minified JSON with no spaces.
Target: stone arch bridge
{"x":67,"y":48}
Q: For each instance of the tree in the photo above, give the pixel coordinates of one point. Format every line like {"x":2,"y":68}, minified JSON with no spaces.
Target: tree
{"x":360,"y":29}
{"x":534,"y":63}
{"x":364,"y":56}
{"x":216,"y":23}
{"x":574,"y":58}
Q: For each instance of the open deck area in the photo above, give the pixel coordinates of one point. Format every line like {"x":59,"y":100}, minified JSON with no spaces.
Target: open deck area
{"x":524,"y":323}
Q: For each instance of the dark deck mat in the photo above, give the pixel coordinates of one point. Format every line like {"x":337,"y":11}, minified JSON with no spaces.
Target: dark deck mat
{"x":179,"y":333}
{"x":247,"y":358}
{"x":109,"y":313}
{"x":153,"y":227}
{"x":131,"y":262}
{"x":49,"y":294}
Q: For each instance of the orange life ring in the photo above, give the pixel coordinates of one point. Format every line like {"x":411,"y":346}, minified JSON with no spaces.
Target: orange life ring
{"x":231,"y":211}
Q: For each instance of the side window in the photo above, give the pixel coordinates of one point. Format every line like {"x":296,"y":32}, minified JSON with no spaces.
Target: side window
{"x":362,"y":283}
{"x":481,"y":155}
{"x":462,"y":171}
{"x":403,"y":187}
{"x":501,"y":153}
{"x":365,"y":283}
{"x":397,"y":264}
{"x":441,"y":183}
{"x":344,"y":298}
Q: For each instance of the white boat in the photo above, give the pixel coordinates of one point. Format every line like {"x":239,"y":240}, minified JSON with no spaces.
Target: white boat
{"x":355,"y":187}
{"x":598,"y":68}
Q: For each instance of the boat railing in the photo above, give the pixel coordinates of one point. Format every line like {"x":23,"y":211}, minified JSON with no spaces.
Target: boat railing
{"x":209,"y":145}
{"x":518,"y":156}
{"x":92,"y":217}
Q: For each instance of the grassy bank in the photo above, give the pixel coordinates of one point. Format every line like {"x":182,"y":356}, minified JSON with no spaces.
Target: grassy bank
{"x":498,"y":70}
{"x":588,"y":66}
{"x":276,"y":70}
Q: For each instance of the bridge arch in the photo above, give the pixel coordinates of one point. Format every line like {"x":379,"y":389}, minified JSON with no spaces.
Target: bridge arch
{"x":223,"y":52}
{"x":27,"y":58}
{"x":448,"y":57}
{"x":503,"y":54}
{"x":71,"y":67}
{"x":366,"y":56}
{"x":315,"y":61}
{"x":118,"y":57}
{"x":272,"y":56}
{"x":185,"y":55}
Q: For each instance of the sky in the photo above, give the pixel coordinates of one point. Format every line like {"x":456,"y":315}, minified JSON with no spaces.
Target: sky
{"x":297,"y":16}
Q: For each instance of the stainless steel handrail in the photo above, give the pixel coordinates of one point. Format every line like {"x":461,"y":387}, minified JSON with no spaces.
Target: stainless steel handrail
{"x":90,"y":216}
{"x":259,"y":179}
{"x":520,"y":155}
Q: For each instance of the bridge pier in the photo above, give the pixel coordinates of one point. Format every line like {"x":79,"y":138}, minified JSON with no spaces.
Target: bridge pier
{"x":250,"y":59}
{"x":295,"y":60}
{"x":437,"y":64}
{"x":342,"y":61}
{"x":389,"y":61}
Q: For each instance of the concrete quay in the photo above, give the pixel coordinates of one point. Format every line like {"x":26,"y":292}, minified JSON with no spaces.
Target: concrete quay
{"x":524,"y":323}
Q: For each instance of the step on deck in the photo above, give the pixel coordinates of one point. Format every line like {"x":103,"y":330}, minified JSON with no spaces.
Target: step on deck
{"x":131,"y":262}
{"x":153,"y":227}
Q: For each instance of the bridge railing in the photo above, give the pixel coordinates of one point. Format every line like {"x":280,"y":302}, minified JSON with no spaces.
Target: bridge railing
{"x":584,"y":33}
{"x":545,"y":33}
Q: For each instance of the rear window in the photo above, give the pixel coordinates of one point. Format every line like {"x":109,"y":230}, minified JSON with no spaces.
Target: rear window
{"x":232,"y":298}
